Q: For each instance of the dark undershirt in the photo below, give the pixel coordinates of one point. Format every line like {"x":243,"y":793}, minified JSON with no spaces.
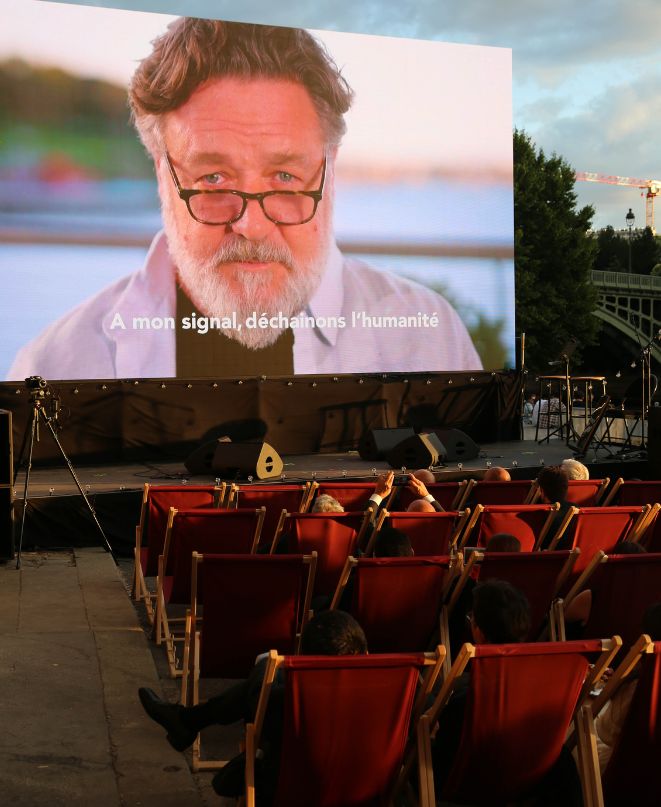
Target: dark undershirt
{"x":215,"y":355}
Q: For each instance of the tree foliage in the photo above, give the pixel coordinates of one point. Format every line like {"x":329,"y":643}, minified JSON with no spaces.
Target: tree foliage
{"x":554,"y":256}
{"x":613,"y":251}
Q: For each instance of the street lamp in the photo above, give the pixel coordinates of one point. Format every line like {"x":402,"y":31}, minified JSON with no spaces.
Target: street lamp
{"x":630,"y":219}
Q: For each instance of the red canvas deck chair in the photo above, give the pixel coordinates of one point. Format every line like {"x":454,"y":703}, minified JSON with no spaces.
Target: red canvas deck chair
{"x":219,"y":531}
{"x":447,"y":494}
{"x":539,"y":575}
{"x":623,"y":587}
{"x":429,"y":533}
{"x":333,"y":536}
{"x":150,"y":532}
{"x":478,"y":491}
{"x":396,"y":601}
{"x":275,"y":498}
{"x":582,"y":492}
{"x":601,"y":528}
{"x":630,"y":775}
{"x":345,"y":726}
{"x":631,"y":492}
{"x":249,"y":603}
{"x":353,"y":496}
{"x":529,"y":523}
{"x":521,"y":701}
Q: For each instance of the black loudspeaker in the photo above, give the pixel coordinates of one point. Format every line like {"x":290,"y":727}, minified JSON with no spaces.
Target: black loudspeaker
{"x":419,"y":451}
{"x":6,"y":488}
{"x":232,"y":460}
{"x":457,"y":445}
{"x":376,"y":444}
{"x":654,"y":443}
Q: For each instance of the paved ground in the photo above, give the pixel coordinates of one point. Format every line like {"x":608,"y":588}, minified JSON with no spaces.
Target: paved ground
{"x":73,"y":653}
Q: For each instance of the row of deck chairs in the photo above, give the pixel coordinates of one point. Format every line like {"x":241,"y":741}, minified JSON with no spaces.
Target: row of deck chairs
{"x":387,"y":579}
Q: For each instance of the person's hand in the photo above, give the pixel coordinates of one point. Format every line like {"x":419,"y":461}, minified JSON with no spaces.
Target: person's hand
{"x":417,"y":487}
{"x":383,"y":485}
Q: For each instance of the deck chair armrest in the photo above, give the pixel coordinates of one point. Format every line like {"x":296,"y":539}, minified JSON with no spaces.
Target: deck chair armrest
{"x":643,"y":522}
{"x":378,"y":523}
{"x":622,"y":671}
{"x":586,"y":574}
{"x":605,"y":482}
{"x":465,"y":494}
{"x":613,"y":492}
{"x":278,"y":530}
{"x":251,"y":751}
{"x":545,"y":529}
{"x":463,"y":579}
{"x":425,"y":767}
{"x":472,"y":521}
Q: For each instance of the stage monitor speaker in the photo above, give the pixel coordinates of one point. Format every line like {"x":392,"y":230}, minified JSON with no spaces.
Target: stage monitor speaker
{"x":376,"y":444}
{"x":457,"y":445}
{"x":234,"y":460}
{"x":419,"y":451}
{"x":6,"y":448}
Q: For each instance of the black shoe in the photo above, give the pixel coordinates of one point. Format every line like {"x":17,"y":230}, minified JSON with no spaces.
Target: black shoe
{"x":167,"y":715}
{"x":230,"y":781}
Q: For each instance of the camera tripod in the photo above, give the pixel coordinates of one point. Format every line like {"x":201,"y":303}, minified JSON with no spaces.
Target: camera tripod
{"x":37,"y":387}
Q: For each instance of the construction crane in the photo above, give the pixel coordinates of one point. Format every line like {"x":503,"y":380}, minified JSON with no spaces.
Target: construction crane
{"x":652,"y":186}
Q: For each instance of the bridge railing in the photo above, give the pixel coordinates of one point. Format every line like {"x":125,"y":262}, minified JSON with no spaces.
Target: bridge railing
{"x":624,"y":280}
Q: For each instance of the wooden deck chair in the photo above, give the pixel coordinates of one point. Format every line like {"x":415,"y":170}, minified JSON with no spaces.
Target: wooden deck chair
{"x":447,"y":494}
{"x":631,"y":492}
{"x":275,"y":498}
{"x":396,"y":601}
{"x":623,"y":587}
{"x":429,"y":533}
{"x":333,"y":536}
{"x":150,"y":532}
{"x":629,"y":778}
{"x":539,"y":575}
{"x":249,"y":603}
{"x":188,"y":531}
{"x":521,"y":701}
{"x":517,"y":491}
{"x":529,"y":523}
{"x":601,"y":528}
{"x":345,"y":726}
{"x":353,"y":496}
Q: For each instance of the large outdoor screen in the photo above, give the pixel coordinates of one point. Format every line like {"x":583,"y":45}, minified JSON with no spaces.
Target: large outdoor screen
{"x":303,"y":202}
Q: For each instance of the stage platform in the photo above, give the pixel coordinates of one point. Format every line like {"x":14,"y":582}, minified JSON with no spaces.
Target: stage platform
{"x":57,"y":517}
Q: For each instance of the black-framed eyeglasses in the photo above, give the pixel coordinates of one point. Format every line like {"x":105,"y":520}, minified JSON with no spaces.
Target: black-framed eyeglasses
{"x":217,"y":207}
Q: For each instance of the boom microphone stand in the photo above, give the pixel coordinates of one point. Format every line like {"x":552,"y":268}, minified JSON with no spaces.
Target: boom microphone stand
{"x":37,"y":387}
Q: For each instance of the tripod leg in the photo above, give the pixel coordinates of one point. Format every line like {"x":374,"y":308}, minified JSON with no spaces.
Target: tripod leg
{"x":106,"y":543}
{"x":33,"y":430}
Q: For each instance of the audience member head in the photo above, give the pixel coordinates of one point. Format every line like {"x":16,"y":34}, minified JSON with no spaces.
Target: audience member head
{"x":421,"y":506}
{"x":333,"y":633}
{"x":503,"y":542}
{"x":553,"y":483}
{"x":392,"y":543}
{"x":575,"y":469}
{"x":325,"y":503}
{"x":652,"y":622}
{"x":497,"y":474}
{"x":628,"y":548}
{"x":425,"y":476}
{"x":501,"y":613}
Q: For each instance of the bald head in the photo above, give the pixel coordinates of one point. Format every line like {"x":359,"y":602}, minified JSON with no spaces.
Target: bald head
{"x":425,"y":476}
{"x":497,"y":474}
{"x":420,"y":506}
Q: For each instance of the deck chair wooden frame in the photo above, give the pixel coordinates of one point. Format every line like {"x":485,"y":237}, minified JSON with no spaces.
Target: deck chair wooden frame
{"x":169,"y":630}
{"x":585,"y":735}
{"x":480,"y":508}
{"x":428,"y":724}
{"x":460,"y":517}
{"x":634,"y":533}
{"x":140,"y":589}
{"x":578,"y":483}
{"x":285,"y":515}
{"x":190,"y":685}
{"x":431,"y":667}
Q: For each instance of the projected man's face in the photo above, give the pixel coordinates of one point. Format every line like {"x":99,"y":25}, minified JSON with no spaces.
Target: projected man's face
{"x":252,"y":136}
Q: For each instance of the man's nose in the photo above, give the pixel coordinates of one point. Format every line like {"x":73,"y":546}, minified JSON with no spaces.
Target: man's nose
{"x":253,"y":224}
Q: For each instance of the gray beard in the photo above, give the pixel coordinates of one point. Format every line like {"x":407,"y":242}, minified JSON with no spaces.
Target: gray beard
{"x":208,"y":289}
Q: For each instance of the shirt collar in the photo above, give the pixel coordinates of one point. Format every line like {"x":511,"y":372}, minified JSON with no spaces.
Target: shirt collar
{"x":325,"y":305}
